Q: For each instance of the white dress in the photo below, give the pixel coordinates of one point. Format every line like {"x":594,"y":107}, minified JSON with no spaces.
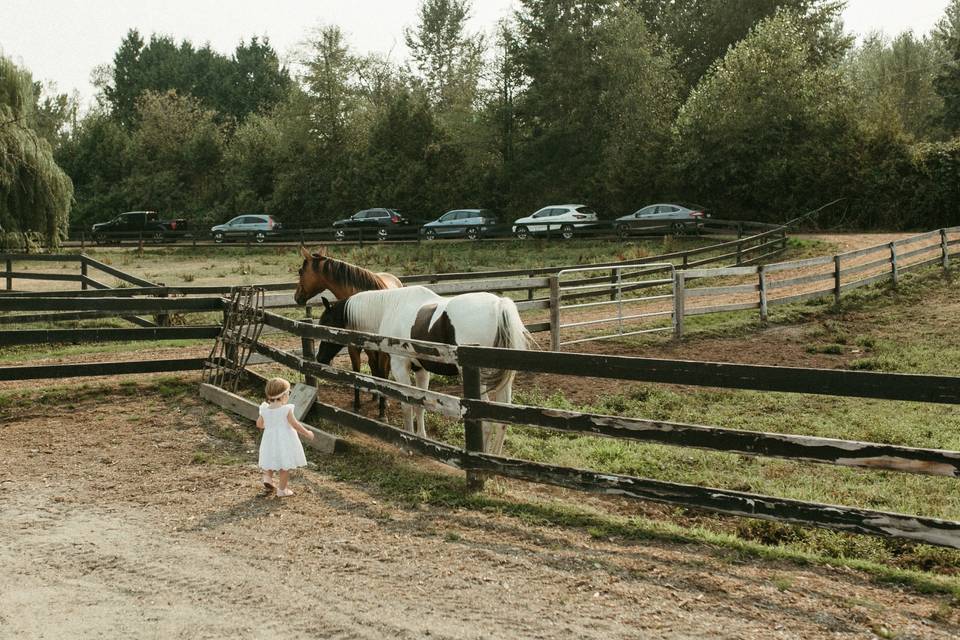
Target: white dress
{"x":280,"y":446}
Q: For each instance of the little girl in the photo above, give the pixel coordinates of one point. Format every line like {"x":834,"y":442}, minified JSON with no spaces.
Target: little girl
{"x":280,"y":448}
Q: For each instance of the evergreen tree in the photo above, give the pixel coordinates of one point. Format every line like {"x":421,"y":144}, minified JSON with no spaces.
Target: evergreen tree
{"x":947,"y":83}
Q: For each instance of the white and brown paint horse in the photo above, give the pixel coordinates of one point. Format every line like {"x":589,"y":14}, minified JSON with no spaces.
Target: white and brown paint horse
{"x":418,"y":313}
{"x":318,"y":273}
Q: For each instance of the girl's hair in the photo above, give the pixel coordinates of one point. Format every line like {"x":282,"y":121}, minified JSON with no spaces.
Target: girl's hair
{"x":276,"y":387}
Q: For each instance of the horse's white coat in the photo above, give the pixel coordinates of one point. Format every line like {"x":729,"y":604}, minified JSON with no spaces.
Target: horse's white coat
{"x":480,"y":318}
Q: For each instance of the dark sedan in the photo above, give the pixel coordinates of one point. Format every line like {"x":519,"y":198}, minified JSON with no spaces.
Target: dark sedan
{"x":379,"y":221}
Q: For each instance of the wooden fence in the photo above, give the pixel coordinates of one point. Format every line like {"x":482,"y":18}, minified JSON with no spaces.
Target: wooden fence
{"x":473,"y":411}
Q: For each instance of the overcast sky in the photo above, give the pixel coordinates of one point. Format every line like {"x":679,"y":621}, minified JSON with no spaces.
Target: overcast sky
{"x":64,"y":40}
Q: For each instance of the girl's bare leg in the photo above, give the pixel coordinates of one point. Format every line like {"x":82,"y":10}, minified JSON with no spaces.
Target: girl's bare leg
{"x":284,"y":477}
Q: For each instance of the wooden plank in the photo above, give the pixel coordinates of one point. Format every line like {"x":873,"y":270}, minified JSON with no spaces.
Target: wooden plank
{"x":792,"y":282}
{"x":878,"y":248}
{"x":720,"y":272}
{"x":439,"y":451}
{"x":833,"y":382}
{"x":127,"y":305}
{"x":117,"y":273}
{"x":434,"y":401}
{"x":848,"y":453}
{"x":302,"y":397}
{"x":918,"y":238}
{"x":36,"y":275}
{"x":865,"y":281}
{"x":867,"y":266}
{"x":77,"y":370}
{"x":55,"y":317}
{"x":503,"y":284}
{"x":411,"y":348}
{"x":42,"y":257}
{"x":718,"y":291}
{"x":917,"y":252}
{"x":933,"y":531}
{"x":322,"y":441}
{"x":722,"y":308}
{"x":799,"y":264}
{"x":106,"y":334}
{"x":801,"y":297}
{"x":529,"y":305}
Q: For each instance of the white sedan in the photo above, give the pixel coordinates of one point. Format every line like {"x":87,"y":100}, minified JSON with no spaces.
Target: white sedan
{"x":561,"y":217}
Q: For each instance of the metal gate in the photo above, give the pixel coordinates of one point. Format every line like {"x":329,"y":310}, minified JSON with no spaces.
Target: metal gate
{"x":242,"y":323}
{"x":628,"y":310}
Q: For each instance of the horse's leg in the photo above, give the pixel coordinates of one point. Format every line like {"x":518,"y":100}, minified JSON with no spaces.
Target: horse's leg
{"x":355,"y":365}
{"x":495,"y":432}
{"x":401,"y":373}
{"x":423,"y":382}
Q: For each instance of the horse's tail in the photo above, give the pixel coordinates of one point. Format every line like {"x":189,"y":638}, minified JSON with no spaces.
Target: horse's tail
{"x":511,"y":334}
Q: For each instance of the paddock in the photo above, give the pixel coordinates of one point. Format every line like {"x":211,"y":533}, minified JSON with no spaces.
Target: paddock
{"x":566,"y":484}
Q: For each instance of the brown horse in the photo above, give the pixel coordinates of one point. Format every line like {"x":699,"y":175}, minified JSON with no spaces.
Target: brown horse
{"x":320,"y":272}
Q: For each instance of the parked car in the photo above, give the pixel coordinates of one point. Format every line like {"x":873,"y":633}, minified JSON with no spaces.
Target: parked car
{"x":379,"y":220}
{"x":564,"y":218}
{"x":668,"y":217}
{"x":459,"y":223}
{"x":257,"y":227}
{"x":136,"y":224}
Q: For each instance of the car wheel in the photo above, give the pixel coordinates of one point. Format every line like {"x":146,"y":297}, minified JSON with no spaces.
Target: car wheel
{"x":100,"y":238}
{"x":473,"y":233}
{"x":522,"y":233}
{"x":260,"y":237}
{"x":157,"y":236}
{"x":430,"y":234}
{"x":678,"y":228}
{"x":339,"y":235}
{"x":382,"y":233}
{"x":566,"y":232}
{"x":218,"y":237}
{"x":623,"y":231}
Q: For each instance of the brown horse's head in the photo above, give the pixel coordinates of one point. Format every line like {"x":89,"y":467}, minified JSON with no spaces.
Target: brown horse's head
{"x":312,"y":280}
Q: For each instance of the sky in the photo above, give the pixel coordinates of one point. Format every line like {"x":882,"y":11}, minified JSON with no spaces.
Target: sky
{"x":65,"y":40}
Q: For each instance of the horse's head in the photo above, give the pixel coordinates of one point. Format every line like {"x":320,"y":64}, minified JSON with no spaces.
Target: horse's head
{"x":312,"y":280}
{"x":334,"y":315}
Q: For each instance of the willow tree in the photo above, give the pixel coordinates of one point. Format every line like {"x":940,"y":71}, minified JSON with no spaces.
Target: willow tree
{"x":35,"y":194}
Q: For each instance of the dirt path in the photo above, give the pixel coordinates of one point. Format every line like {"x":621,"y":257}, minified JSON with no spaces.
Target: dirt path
{"x":113,"y":529}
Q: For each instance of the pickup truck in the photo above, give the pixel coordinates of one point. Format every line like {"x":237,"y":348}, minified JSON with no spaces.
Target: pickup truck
{"x":139,"y":224}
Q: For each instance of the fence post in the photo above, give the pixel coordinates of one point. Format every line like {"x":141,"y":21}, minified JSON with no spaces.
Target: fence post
{"x":308,"y":345}
{"x":739,"y":253}
{"x":9,"y":277}
{"x":945,"y":249}
{"x":530,"y":291}
{"x":472,"y":429}
{"x":83,"y":272}
{"x":679,"y":285}
{"x":763,"y":293}
{"x":613,"y":284}
{"x":836,"y":279}
{"x":894,"y":271}
{"x":555,"y":313}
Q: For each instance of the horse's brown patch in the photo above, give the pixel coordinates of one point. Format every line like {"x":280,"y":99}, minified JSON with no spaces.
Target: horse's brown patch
{"x":441,"y":331}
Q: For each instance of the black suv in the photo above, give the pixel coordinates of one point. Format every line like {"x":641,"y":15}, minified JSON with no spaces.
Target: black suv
{"x":379,"y":220}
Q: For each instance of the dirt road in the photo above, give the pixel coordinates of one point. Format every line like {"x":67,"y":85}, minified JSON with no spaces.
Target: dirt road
{"x":130,"y":514}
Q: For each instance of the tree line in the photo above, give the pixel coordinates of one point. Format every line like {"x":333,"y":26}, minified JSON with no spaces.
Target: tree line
{"x":755,"y":109}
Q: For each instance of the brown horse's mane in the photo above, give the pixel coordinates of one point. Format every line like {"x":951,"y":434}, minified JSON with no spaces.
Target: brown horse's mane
{"x":347,"y":274}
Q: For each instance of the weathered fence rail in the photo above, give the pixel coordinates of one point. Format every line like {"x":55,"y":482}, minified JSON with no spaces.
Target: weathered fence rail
{"x":473,"y":410}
